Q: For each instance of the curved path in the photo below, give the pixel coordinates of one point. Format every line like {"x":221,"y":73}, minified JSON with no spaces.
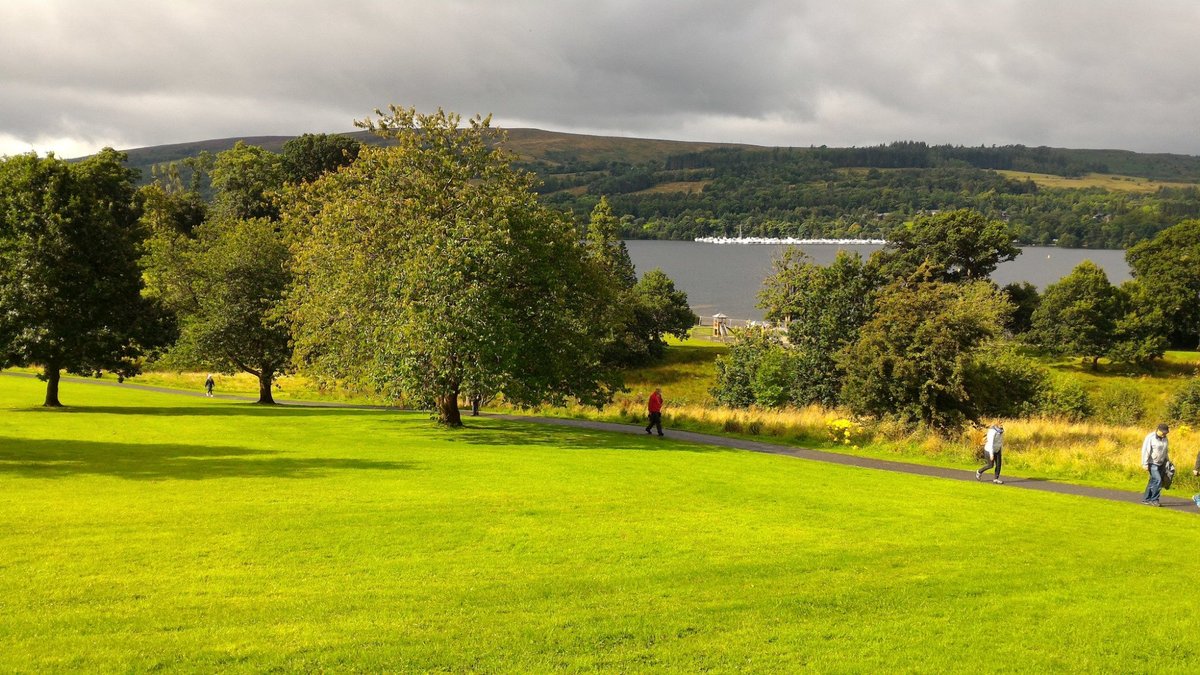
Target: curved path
{"x":1044,"y":485}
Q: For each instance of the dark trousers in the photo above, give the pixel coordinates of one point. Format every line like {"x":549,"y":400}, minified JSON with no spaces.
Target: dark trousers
{"x":995,"y":461}
{"x":655,"y":421}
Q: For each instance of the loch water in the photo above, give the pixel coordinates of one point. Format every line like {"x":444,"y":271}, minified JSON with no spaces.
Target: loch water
{"x":726,"y":278}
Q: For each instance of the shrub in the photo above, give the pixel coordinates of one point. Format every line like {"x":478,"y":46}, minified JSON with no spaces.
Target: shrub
{"x":1185,"y":405}
{"x":754,"y":427}
{"x":1002,"y":383}
{"x":1065,"y":399}
{"x":773,"y":378}
{"x":732,"y":426}
{"x":736,"y":370}
{"x":1119,"y":405}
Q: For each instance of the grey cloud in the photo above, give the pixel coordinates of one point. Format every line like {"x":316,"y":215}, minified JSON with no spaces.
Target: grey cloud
{"x":1079,"y":74}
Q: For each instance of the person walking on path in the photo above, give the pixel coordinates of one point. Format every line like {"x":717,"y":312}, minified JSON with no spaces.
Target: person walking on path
{"x":993,"y":444}
{"x":1154,"y":458}
{"x":208,"y":385}
{"x":1196,"y":472}
{"x":654,"y":406}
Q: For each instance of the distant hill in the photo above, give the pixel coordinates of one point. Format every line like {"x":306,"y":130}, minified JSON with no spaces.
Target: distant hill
{"x":550,"y":148}
{"x":680,"y":190}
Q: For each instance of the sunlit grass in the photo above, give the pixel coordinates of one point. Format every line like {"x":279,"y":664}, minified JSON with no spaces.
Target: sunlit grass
{"x":144,"y":531}
{"x":1110,"y":182}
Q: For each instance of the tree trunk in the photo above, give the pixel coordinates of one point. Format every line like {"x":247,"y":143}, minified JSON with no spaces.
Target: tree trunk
{"x":51,"y":374}
{"x":264,"y":387}
{"x":448,"y":410}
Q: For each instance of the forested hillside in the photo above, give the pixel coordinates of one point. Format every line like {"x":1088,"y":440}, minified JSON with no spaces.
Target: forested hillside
{"x":679,"y":190}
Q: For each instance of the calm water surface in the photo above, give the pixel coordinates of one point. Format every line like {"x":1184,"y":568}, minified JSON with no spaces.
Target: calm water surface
{"x":726,"y":278}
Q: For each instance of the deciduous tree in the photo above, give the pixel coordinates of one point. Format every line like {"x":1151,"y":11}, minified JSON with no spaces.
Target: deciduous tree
{"x":429,"y":270}
{"x":1078,"y":314}
{"x":824,"y":307}
{"x":960,"y":245}
{"x":912,"y":360}
{"x":308,"y":156}
{"x":70,"y":286}
{"x":1168,"y":268}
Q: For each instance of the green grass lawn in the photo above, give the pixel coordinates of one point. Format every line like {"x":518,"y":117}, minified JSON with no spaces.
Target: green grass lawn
{"x":143,"y":531}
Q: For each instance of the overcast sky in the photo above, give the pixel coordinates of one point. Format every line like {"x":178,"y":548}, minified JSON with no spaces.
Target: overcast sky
{"x":76,"y":75}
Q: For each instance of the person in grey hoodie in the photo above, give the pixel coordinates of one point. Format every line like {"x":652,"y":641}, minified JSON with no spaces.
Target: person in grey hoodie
{"x":1154,"y":458}
{"x":993,"y":444}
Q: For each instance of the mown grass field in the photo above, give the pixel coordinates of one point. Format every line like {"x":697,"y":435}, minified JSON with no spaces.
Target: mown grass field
{"x":143,"y":531}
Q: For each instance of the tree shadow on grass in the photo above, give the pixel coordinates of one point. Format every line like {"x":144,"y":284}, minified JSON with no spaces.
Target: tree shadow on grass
{"x":226,"y":410}
{"x":163,"y":461}
{"x":569,"y":437}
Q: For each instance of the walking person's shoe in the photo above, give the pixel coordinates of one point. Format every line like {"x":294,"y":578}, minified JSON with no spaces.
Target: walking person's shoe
{"x":1146,"y":502}
{"x":647,"y":431}
{"x":1155,"y":503}
{"x":979,"y":474}
{"x":1196,"y":498}
{"x":997,"y":481}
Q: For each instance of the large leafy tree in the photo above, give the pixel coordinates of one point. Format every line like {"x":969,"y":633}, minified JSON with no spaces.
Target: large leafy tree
{"x":1078,"y":314}
{"x":1168,"y":269}
{"x":824,"y":307}
{"x":914,"y":359}
{"x":660,"y":309}
{"x":246,"y":179}
{"x":429,"y":269}
{"x":961,"y":245}
{"x":307,"y":157}
{"x":645,"y":310}
{"x":224,"y":278}
{"x":70,"y":286}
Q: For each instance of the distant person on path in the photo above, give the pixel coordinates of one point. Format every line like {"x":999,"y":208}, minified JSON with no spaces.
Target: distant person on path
{"x":993,"y":444}
{"x":654,"y":406}
{"x":1196,"y":472}
{"x":208,"y":385}
{"x":1154,"y":458}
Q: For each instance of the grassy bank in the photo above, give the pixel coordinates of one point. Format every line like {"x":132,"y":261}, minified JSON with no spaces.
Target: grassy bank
{"x":146,"y":531}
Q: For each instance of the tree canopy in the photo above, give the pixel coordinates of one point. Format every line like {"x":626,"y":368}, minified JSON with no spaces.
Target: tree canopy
{"x":823,"y":307}
{"x":70,"y":286}
{"x":960,"y":245}
{"x":643,"y":311}
{"x":429,"y":270}
{"x":308,"y":156}
{"x":913,"y":359}
{"x":225,"y":279}
{"x":1078,"y":314}
{"x":1168,"y":268}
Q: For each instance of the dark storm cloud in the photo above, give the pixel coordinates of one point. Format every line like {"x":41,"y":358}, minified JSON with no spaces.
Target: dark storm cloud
{"x":75,"y":75}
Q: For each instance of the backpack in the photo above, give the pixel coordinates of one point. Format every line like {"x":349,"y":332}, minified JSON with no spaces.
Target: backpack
{"x":1168,"y":474}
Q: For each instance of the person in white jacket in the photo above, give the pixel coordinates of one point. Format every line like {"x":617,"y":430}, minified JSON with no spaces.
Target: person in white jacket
{"x":1154,"y":458}
{"x":992,"y":447}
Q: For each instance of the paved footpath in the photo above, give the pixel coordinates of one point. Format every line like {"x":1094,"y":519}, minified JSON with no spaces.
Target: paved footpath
{"x":1042,"y":484}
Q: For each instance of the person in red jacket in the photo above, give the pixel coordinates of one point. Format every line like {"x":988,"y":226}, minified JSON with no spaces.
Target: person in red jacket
{"x":654,"y":405}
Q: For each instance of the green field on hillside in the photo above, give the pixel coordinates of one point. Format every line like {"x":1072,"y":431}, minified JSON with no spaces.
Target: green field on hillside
{"x":149,"y":531}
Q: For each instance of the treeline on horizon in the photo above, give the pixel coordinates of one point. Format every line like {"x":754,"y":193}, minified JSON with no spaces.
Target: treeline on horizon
{"x":870,"y":191}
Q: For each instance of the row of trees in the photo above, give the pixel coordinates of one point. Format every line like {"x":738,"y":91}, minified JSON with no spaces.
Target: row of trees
{"x":767,"y":193}
{"x":917,"y":332}
{"x":422,"y":271}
